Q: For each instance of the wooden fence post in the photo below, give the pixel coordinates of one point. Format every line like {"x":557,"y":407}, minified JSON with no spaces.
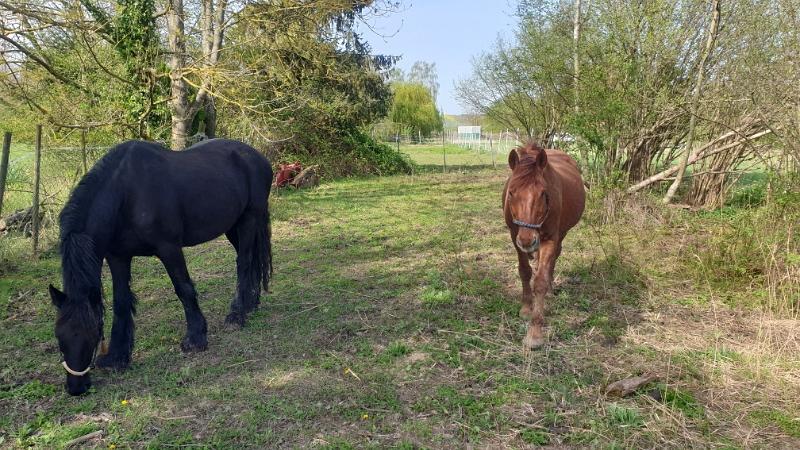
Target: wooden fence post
{"x":83,"y":150}
{"x":491,"y":148}
{"x":444,"y":153}
{"x":36,"y":168}
{"x":4,"y":167}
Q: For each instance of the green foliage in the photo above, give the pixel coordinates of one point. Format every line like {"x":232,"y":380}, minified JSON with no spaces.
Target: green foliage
{"x":746,"y":247}
{"x":33,"y":390}
{"x":683,"y":401}
{"x":396,"y":349}
{"x":619,"y":415}
{"x":535,"y":436}
{"x":342,"y":152}
{"x":788,"y":423}
{"x":414,"y":108}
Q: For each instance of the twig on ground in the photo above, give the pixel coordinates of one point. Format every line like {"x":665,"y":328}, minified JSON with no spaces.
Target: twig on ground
{"x":240,"y":363}
{"x":84,"y":438}
{"x":305,"y":310}
{"x":350,"y":371}
{"x":177,"y":418}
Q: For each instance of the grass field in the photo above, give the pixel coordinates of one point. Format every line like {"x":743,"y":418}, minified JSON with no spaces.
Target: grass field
{"x":392,"y":322}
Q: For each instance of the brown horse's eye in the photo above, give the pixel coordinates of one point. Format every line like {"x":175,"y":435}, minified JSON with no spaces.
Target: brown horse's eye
{"x":510,"y":195}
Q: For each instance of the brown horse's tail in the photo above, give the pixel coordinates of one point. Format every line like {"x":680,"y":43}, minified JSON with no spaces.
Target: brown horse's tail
{"x":262,"y":250}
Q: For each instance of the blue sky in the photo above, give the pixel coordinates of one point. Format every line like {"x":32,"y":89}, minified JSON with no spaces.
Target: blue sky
{"x":445,"y":32}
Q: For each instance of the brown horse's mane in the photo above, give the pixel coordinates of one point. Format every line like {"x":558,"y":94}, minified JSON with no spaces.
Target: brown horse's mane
{"x":526,"y":174}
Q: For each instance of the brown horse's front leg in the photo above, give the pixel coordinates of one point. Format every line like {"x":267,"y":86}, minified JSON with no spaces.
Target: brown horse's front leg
{"x":525,"y":274}
{"x":548,"y":252}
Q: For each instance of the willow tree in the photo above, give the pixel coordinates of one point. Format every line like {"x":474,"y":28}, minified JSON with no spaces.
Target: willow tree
{"x":413,"y":109}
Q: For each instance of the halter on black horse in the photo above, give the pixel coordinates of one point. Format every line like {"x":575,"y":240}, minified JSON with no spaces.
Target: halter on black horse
{"x":94,"y":355}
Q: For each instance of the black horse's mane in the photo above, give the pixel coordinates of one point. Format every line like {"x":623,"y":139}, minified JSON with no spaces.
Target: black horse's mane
{"x":79,"y":262}
{"x":73,"y":216}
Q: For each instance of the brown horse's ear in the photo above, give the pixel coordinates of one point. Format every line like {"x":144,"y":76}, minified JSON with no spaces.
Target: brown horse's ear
{"x":513,"y":159}
{"x":541,"y":159}
{"x":57,"y":297}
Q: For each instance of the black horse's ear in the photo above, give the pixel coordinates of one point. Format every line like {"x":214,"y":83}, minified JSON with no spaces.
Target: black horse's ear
{"x":541,"y":159}
{"x":513,"y":159}
{"x":57,"y":297}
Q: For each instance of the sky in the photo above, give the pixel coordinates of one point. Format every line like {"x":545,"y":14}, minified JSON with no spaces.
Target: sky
{"x":446,"y":32}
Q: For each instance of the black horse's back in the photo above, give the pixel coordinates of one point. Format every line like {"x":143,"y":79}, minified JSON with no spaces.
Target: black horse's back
{"x":142,"y":200}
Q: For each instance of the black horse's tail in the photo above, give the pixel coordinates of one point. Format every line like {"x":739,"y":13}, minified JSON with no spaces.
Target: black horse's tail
{"x":262,"y":250}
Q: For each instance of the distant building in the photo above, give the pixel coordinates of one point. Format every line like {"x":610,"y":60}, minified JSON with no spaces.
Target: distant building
{"x":469,"y":133}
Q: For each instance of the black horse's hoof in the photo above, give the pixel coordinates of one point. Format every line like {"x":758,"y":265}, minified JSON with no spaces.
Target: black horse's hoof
{"x":194,"y":344}
{"x":236,"y":318}
{"x":112,"y":362}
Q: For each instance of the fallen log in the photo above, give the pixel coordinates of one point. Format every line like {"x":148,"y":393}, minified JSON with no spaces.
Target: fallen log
{"x":18,"y":220}
{"x":625,"y":387}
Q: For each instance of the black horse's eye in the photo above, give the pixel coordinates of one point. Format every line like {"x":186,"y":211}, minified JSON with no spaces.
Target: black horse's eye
{"x":510,"y":195}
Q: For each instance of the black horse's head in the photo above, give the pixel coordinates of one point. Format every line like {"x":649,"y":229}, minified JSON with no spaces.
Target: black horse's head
{"x":79,"y":330}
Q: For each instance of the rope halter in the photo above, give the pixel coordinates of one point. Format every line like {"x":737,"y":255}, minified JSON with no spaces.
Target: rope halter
{"x":531,"y":226}
{"x":94,"y":355}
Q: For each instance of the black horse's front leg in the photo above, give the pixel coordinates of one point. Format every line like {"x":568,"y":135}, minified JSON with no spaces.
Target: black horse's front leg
{"x":121,"y":344}
{"x":196,"y":329}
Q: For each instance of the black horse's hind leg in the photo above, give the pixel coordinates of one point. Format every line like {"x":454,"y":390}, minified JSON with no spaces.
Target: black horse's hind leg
{"x":196,"y":329}
{"x":121,"y":344}
{"x":247,"y":287}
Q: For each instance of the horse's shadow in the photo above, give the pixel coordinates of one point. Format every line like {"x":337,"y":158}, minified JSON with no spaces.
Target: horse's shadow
{"x":599,"y":299}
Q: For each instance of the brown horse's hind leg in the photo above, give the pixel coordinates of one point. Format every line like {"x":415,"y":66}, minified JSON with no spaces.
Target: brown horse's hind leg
{"x":548,"y":252}
{"x":525,"y":274}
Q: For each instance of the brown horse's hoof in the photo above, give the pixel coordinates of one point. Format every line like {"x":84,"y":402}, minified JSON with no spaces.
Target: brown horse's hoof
{"x":525,"y":312}
{"x":533,"y":343}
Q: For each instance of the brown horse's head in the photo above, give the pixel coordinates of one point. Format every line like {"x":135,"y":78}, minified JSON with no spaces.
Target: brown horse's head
{"x":79,"y":331}
{"x":526,"y":195}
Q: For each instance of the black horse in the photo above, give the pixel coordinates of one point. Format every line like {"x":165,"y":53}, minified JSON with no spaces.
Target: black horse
{"x":143,"y":200}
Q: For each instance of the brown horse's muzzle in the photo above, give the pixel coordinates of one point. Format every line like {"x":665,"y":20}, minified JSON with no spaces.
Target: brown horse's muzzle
{"x":528,"y":242}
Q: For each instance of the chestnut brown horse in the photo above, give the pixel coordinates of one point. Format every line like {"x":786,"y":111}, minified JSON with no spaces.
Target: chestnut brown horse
{"x":542,"y":200}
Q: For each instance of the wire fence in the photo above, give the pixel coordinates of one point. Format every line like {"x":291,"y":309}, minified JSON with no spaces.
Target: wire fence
{"x":500,"y":142}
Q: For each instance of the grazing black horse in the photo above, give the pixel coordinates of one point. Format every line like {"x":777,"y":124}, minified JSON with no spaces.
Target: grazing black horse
{"x":143,"y":200}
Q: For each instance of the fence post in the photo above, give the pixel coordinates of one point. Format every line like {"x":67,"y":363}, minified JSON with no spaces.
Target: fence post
{"x":444,"y":153}
{"x":83,"y":150}
{"x":36,"y":166}
{"x":4,"y":167}
{"x":491,"y":148}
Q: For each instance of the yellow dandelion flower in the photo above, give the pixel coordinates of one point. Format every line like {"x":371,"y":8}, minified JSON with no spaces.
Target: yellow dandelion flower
{"x":163,"y":338}
{"x":174,"y":339}
{"x":346,"y":370}
{"x":112,"y":446}
{"x":124,"y":402}
{"x":366,"y":416}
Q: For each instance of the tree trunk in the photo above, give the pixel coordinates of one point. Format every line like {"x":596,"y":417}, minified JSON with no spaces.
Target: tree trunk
{"x":576,"y":68}
{"x":183,"y":109}
{"x":712,"y":34}
{"x":179,"y":90}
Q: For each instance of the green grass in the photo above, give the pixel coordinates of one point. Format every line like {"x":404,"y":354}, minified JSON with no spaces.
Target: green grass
{"x":392,"y":322}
